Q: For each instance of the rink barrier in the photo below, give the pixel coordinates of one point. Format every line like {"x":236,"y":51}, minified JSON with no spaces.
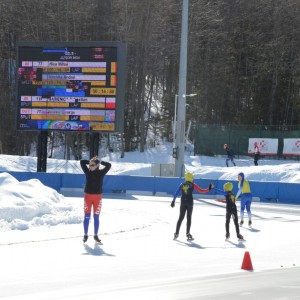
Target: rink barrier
{"x":280,"y":192}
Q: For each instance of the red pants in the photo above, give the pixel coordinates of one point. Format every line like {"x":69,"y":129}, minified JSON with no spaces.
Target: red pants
{"x":92,"y":200}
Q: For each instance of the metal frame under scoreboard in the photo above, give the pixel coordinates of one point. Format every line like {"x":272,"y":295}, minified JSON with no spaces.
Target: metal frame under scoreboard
{"x":71,"y":86}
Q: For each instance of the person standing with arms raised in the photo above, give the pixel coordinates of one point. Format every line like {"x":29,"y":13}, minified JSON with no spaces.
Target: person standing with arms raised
{"x":93,"y":193}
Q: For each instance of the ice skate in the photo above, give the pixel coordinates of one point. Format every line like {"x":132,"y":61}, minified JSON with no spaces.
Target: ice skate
{"x":97,"y":240}
{"x":189,"y":237}
{"x":250,"y":223}
{"x":240,"y":237}
{"x":242,"y":222}
{"x":227,"y":236}
{"x":175,"y":236}
{"x":85,"y":238}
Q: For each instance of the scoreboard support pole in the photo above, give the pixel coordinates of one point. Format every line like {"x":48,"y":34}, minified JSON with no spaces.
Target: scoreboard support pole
{"x":94,"y":143}
{"x":42,"y":151}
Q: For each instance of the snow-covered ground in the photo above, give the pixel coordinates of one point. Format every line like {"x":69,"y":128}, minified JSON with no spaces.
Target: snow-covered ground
{"x":42,"y":256}
{"x":137,"y":163}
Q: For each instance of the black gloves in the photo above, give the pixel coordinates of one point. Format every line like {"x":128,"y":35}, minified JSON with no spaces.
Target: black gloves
{"x":172,"y":204}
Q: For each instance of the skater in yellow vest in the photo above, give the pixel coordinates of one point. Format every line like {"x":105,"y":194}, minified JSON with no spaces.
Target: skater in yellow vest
{"x":246,"y":198}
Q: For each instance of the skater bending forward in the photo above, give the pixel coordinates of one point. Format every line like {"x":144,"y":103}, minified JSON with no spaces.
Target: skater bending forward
{"x":231,"y":209}
{"x":186,"y":205}
{"x":93,"y":193}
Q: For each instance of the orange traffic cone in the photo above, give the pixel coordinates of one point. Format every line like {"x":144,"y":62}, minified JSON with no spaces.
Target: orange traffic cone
{"x":247,"y":264}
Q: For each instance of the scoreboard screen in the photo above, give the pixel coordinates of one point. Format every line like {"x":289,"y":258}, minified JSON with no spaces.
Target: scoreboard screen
{"x":71,"y":86}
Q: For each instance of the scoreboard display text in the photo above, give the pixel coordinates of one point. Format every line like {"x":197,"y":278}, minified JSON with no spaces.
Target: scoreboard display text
{"x":67,"y":88}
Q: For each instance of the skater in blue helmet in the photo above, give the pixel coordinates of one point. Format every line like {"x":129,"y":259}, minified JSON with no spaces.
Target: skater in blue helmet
{"x":246,"y":198}
{"x":186,"y":205}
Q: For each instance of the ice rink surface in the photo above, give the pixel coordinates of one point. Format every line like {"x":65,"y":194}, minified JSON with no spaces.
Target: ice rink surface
{"x":140,"y":260}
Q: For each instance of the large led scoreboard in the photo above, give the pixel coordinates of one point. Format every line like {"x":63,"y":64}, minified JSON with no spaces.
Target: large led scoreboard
{"x":71,"y":86}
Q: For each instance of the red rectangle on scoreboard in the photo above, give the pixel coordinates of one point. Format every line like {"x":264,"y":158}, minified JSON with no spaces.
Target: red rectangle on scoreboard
{"x":110,"y":105}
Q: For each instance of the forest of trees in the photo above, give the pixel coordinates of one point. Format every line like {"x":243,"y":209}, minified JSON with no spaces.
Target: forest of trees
{"x":243,"y":59}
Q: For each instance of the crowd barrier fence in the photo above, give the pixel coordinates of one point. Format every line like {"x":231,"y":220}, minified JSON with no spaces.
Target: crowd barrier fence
{"x":280,"y":192}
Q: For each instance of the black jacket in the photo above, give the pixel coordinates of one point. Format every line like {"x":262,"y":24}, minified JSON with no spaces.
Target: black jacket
{"x":94,"y":179}
{"x":230,"y":202}
{"x":229,"y":152}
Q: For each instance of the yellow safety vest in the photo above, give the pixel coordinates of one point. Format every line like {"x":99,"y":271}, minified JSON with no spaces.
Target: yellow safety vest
{"x":246,"y":187}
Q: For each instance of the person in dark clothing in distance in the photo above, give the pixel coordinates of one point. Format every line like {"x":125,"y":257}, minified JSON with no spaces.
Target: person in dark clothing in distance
{"x":93,"y":193}
{"x":187,"y":202}
{"x":256,"y":154}
{"x":230,"y":155}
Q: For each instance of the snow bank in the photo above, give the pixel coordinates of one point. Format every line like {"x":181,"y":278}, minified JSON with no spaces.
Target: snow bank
{"x":30,"y":203}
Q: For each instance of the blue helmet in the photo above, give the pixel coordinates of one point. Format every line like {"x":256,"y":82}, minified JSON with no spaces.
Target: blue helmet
{"x":242,"y":175}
